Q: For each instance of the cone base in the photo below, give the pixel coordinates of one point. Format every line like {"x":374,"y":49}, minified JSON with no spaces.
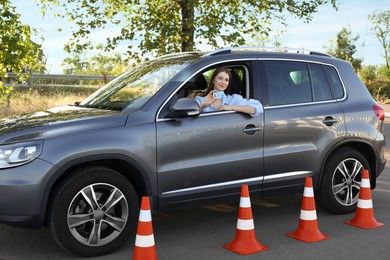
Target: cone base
{"x":309,"y":236}
{"x":145,"y":253}
{"x":245,"y":247}
{"x":364,"y":223}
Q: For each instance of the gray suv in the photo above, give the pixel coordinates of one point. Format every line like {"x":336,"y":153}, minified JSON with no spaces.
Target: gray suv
{"x":80,"y":170}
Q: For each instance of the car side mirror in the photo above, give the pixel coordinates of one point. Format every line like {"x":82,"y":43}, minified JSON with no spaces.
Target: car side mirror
{"x":184,"y":107}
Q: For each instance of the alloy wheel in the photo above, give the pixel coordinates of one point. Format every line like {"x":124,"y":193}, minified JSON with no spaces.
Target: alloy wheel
{"x":97,"y":214}
{"x":346,"y":181}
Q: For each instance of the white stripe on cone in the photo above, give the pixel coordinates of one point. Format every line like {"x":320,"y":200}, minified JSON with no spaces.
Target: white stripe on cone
{"x":308,"y":192}
{"x":364,"y":204}
{"x":365,"y":183}
{"x":245,"y":224}
{"x":145,"y":215}
{"x":308,"y":215}
{"x":144,"y":241}
{"x":245,"y":202}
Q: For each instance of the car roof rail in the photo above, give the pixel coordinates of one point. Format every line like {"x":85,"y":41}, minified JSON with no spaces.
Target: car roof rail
{"x":264,"y":49}
{"x":178,"y":54}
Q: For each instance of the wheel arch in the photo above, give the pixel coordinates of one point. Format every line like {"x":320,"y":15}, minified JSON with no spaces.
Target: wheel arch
{"x":364,"y":147}
{"x":124,"y":165}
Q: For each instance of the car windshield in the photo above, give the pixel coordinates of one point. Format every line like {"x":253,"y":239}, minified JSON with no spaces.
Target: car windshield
{"x":135,"y":87}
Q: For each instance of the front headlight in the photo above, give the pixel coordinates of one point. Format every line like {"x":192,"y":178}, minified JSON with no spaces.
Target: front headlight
{"x":12,"y":155}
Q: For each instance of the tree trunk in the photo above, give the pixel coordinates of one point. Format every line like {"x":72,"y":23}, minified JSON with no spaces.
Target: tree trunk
{"x":188,"y":27}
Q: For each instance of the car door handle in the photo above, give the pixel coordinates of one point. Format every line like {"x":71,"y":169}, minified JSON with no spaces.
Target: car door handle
{"x":329,"y":121}
{"x":251,"y":129}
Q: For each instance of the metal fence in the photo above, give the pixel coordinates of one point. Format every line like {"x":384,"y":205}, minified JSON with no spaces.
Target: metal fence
{"x":56,"y":80}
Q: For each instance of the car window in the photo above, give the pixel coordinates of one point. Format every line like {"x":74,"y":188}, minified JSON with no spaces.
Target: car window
{"x":291,"y":82}
{"x":288,"y":82}
{"x":335,"y":82}
{"x":197,"y":84}
{"x":135,"y":87}
{"x":321,"y":90}
{"x":194,"y":86}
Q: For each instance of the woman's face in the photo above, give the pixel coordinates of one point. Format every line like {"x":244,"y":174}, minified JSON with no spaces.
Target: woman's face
{"x":221,"y":81}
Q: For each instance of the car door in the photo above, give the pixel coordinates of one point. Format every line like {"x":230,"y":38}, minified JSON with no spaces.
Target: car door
{"x":302,"y":122}
{"x":208,"y":157}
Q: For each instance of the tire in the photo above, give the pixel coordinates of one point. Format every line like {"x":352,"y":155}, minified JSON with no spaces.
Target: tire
{"x":340,"y":186}
{"x":93,"y":212}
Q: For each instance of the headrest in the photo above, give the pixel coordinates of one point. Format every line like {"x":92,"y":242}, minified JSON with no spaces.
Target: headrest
{"x":198,"y":82}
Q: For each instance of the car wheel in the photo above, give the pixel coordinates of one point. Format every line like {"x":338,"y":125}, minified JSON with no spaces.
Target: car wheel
{"x":339,"y":190}
{"x":93,"y":212}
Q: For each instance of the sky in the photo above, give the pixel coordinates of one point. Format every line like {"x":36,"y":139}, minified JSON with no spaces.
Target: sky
{"x":327,"y":22}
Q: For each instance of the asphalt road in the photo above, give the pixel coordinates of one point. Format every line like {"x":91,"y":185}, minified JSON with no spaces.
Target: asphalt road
{"x":201,"y":232}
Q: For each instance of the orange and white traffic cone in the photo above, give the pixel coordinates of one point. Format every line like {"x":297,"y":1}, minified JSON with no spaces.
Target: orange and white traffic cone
{"x":307,"y":230}
{"x":245,"y":241}
{"x":364,"y":217}
{"x":144,"y":242}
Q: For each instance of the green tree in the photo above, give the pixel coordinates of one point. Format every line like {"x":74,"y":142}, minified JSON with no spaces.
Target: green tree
{"x":368,"y":73}
{"x":345,"y":48}
{"x":271,"y":39}
{"x":381,"y":27}
{"x":384,"y":72}
{"x":106,"y":64}
{"x":76,"y":64}
{"x":101,"y":63}
{"x":18,"y":52}
{"x":73,"y":65}
{"x":164,"y":26}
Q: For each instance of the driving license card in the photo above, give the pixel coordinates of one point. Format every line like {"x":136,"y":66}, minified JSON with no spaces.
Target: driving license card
{"x":218,"y":94}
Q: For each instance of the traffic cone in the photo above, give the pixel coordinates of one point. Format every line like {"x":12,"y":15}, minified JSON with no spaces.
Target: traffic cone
{"x":364,"y":217}
{"x":307,"y":230}
{"x":245,"y":241}
{"x":144,"y":242}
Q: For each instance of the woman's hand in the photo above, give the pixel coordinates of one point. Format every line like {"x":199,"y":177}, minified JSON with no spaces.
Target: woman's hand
{"x":209,"y":100}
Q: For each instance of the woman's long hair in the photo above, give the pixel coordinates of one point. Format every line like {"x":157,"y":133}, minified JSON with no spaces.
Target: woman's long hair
{"x":215,"y":73}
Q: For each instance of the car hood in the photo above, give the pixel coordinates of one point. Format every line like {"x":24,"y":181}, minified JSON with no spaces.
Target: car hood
{"x":58,"y":121}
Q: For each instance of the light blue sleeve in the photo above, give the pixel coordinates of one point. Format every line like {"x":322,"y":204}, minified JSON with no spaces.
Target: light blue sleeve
{"x":199,"y":100}
{"x":238,"y":100}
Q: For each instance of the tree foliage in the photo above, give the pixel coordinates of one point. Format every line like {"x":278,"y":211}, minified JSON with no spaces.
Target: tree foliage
{"x":384,"y":72}
{"x":17,"y":50}
{"x":381,"y":27}
{"x":101,"y":63}
{"x":345,"y":48}
{"x":368,"y":73}
{"x":164,"y":26}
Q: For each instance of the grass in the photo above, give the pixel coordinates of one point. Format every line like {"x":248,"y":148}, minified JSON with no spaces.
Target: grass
{"x":25,"y":100}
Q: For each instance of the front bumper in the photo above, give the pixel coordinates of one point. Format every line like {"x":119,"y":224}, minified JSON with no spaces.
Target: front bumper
{"x":21,"y":193}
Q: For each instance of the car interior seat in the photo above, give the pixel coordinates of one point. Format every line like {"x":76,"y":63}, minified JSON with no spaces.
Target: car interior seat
{"x":195,"y":86}
{"x":237,"y":87}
